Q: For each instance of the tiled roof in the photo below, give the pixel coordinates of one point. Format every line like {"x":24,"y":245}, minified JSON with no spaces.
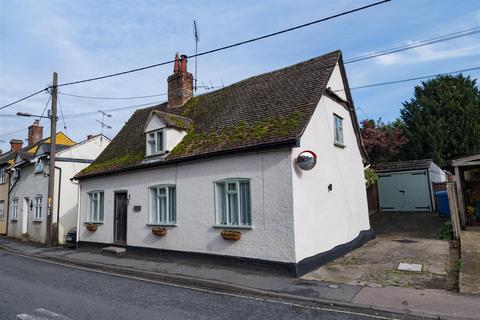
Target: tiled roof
{"x":7,"y":156}
{"x":270,"y":109}
{"x":403,"y":165}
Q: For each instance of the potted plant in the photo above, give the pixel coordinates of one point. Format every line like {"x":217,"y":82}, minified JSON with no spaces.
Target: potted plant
{"x":159,"y":231}
{"x":91,"y":227}
{"x":231,"y":235}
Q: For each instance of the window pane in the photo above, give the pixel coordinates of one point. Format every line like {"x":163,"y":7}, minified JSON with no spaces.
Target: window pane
{"x":162,"y":203}
{"x":245,"y":203}
{"x":154,"y":206}
{"x":222,"y":207}
{"x":172,"y":203}
{"x":100,"y":213}
{"x":232,"y":186}
{"x":94,"y":208}
{"x":232,"y":199}
{"x":159,"y":141}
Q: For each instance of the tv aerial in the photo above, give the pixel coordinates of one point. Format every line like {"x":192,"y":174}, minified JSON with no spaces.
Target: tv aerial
{"x":196,"y":35}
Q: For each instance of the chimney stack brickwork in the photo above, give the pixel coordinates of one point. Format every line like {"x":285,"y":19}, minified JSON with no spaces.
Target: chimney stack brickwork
{"x":180,"y":83}
{"x":35,"y":133}
{"x":15,"y":144}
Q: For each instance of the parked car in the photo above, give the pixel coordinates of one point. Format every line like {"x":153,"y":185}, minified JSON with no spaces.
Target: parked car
{"x":71,"y":237}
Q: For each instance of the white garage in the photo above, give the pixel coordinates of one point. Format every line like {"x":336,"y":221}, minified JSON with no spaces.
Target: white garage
{"x":407,"y":185}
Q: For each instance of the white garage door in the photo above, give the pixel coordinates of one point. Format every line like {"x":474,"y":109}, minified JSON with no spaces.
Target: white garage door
{"x":404,"y":191}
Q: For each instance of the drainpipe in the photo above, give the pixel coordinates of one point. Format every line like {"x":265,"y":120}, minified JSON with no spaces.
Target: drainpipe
{"x":58,"y":204}
{"x":79,"y":204}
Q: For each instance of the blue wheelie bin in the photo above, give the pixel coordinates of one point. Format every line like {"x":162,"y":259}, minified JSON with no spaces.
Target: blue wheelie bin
{"x":441,"y":198}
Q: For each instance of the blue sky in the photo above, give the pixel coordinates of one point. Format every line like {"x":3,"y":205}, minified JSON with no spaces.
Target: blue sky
{"x":81,"y":39}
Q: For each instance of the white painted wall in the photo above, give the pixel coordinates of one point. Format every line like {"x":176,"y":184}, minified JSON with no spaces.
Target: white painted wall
{"x":436,"y":173}
{"x":323,"y":219}
{"x":29,"y":185}
{"x":89,"y":149}
{"x":271,"y":237}
{"x":173,"y":137}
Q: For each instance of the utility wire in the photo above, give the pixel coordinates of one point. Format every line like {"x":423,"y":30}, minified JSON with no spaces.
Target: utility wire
{"x":24,"y":98}
{"x":63,"y":118}
{"x":410,"y":79}
{"x":112,"y":98}
{"x":229,"y":46}
{"x":416,"y":44}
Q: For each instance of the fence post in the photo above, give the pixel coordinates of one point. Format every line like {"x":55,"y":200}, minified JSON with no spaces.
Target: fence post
{"x":454,"y":212}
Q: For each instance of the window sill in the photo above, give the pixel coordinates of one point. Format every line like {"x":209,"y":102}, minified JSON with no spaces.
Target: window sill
{"x":37,"y":172}
{"x":161,"y":224}
{"x":224,"y":226}
{"x":14,"y":220}
{"x":88,"y":222}
{"x":37,"y":220}
{"x":339,"y":145}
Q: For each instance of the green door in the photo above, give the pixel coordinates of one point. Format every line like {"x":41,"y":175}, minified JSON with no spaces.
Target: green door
{"x":404,"y":191}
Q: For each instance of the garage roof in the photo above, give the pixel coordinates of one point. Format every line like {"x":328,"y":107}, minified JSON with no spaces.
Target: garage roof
{"x":403,"y":165}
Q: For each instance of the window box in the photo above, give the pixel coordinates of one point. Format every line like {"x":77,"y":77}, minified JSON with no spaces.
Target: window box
{"x":92,"y":227}
{"x":159,"y":231}
{"x":231,"y":235}
{"x":37,"y":220}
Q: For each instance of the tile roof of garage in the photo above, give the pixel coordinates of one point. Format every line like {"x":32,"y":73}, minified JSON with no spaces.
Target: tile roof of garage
{"x":403,"y":165}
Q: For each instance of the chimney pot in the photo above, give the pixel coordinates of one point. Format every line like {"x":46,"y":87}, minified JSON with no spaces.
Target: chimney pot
{"x":15,"y":144}
{"x":180,"y":83}
{"x":35,"y":132}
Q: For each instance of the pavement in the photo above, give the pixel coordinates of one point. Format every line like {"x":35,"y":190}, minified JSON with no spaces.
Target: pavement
{"x":469,"y":281}
{"x":429,"y":303}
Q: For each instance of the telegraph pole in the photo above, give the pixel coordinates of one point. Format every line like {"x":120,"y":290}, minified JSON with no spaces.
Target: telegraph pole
{"x":51,"y":174}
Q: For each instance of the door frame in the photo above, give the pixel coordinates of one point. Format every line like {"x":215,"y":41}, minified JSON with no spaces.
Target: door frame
{"x":115,"y":217}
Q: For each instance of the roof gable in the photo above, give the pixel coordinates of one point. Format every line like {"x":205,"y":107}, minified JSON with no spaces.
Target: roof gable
{"x":270,"y":109}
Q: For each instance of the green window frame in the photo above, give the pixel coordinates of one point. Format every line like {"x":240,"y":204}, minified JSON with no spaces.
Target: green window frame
{"x":338,"y":130}
{"x":162,"y":205}
{"x":233,"y":203}
{"x":95,"y":206}
{"x":155,"y":142}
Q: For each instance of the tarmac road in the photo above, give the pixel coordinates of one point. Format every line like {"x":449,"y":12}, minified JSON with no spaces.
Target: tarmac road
{"x":39,"y":290}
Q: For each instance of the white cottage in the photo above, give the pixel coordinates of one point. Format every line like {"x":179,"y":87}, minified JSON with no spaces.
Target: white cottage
{"x":29,"y":184}
{"x":220,"y":174}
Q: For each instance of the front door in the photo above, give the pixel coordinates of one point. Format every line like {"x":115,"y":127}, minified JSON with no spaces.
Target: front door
{"x":120,"y":221}
{"x":25,"y":215}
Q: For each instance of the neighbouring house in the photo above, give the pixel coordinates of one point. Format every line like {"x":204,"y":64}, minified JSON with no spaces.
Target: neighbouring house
{"x":407,"y":185}
{"x":6,"y":161}
{"x":29,"y":183}
{"x":220,"y":175}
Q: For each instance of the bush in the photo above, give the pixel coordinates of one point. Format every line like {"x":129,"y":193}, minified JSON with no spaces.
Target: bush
{"x":445,"y":232}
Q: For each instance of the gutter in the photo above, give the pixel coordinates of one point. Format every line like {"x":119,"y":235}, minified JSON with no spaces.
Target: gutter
{"x":289,"y":142}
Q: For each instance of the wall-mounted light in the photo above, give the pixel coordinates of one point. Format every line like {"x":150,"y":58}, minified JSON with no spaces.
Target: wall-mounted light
{"x":306,"y":160}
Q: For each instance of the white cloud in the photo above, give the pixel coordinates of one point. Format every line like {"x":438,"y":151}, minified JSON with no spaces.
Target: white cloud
{"x":428,"y":54}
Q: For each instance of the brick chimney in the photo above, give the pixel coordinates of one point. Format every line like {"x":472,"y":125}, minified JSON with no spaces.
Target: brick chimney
{"x":15,"y":144}
{"x":35,"y":133}
{"x":180,"y":83}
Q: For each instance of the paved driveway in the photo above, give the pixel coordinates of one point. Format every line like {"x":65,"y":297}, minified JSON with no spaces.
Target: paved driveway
{"x":408,"y":238}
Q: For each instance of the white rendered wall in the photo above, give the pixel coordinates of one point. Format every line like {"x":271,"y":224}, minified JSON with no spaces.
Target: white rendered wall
{"x":88,"y":150}
{"x":271,"y":237}
{"x":29,"y":185}
{"x":436,"y":173}
{"x":325,"y":219}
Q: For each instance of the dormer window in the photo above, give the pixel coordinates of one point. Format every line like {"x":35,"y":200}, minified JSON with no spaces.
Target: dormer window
{"x":39,"y":166}
{"x":155,"y":142}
